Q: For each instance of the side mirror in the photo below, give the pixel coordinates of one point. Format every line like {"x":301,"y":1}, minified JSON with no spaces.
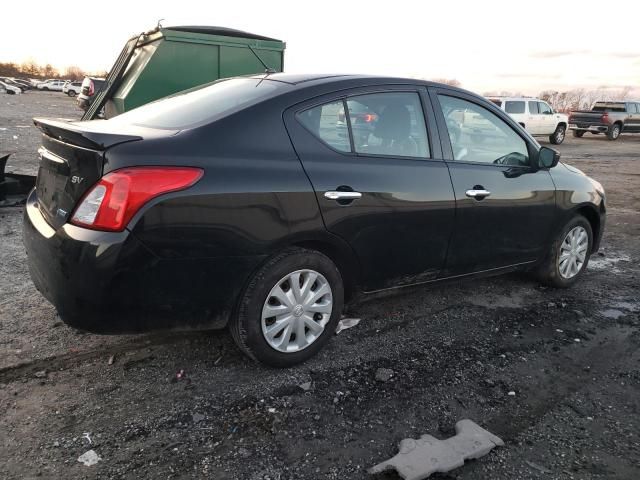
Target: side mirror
{"x":548,"y":157}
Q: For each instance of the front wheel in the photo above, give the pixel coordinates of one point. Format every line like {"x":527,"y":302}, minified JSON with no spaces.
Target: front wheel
{"x":578,"y":133}
{"x":614,"y":132}
{"x":290,"y":309}
{"x":569,"y":254}
{"x":557,"y":137}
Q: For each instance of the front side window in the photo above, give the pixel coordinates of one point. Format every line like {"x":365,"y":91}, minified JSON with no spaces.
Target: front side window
{"x":390,"y":124}
{"x":544,"y":108}
{"x":478,"y":135}
{"x":533,"y":108}
{"x":514,"y":107}
{"x":328,"y":122}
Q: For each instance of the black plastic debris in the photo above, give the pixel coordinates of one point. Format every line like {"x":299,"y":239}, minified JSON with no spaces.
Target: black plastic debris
{"x":14,"y":187}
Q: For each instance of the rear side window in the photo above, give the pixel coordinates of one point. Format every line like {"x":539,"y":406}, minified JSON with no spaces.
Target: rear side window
{"x":514,"y":107}
{"x":533,"y":108}
{"x":609,"y":107}
{"x":632,"y":108}
{"x":390,"y":124}
{"x":328,"y":122}
{"x":195,"y":106}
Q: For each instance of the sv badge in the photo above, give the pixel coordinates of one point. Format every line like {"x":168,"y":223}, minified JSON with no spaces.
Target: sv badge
{"x":76,"y":179}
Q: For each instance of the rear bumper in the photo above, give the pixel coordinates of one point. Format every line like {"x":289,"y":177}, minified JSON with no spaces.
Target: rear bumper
{"x":108,"y":282}
{"x":589,"y":128}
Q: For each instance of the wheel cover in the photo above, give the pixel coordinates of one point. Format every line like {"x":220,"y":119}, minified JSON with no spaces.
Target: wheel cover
{"x":560,"y":134}
{"x":616,"y":131}
{"x":296,"y":311}
{"x":573,"y":252}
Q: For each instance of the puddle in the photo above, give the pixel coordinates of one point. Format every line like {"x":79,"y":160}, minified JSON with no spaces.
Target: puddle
{"x":612,"y":313}
{"x":608,"y":263}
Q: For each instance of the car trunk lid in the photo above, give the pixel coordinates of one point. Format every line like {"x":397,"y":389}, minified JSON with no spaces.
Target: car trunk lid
{"x":71,"y":161}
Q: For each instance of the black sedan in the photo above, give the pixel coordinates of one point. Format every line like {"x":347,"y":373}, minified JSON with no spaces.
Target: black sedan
{"x":242,"y":203}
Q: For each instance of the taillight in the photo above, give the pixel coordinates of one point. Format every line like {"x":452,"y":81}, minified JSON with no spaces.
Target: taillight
{"x":91,"y":88}
{"x":604,"y":118}
{"x":571,"y":119}
{"x":112,"y":202}
{"x":369,"y":117}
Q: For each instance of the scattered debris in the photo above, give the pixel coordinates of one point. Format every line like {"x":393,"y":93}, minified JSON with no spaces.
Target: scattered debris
{"x":86,"y":436}
{"x":89,"y":458}
{"x":512,"y":393}
{"x":218,"y":360}
{"x":306,"y":386}
{"x":418,"y":459}
{"x":384,"y":374}
{"x":577,"y":340}
{"x":41,"y":374}
{"x":559,"y":330}
{"x":181,"y":374}
{"x":271,"y":410}
{"x":197,"y":417}
{"x":347,"y":323}
{"x":112,"y":359}
{"x":535,"y":466}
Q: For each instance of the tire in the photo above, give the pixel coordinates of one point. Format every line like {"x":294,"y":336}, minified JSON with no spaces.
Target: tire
{"x":71,"y":93}
{"x":549,"y":271}
{"x":614,"y":132}
{"x":578,"y":133}
{"x":248,"y":323}
{"x":557,"y":137}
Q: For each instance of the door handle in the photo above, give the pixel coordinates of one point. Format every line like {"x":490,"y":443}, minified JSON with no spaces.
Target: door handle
{"x":335,"y":195}
{"x":479,"y":194}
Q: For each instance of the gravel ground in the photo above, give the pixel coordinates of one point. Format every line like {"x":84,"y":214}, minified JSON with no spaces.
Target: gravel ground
{"x":455,"y":351}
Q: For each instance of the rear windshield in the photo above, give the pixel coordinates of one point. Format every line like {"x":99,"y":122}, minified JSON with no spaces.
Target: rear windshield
{"x":514,"y":107}
{"x":195,"y":106}
{"x":609,"y":107}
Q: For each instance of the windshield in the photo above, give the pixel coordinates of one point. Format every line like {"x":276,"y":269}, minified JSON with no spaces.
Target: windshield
{"x":195,"y":106}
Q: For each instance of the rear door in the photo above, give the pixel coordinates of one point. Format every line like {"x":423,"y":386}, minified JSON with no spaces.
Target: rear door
{"x":632,"y":124}
{"x":535,"y":121}
{"x":376,"y":165}
{"x":505,"y":208}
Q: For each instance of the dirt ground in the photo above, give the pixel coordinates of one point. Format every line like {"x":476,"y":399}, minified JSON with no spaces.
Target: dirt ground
{"x":571,"y":357}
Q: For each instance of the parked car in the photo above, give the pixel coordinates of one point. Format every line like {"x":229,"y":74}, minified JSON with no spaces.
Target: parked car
{"x":10,"y":89}
{"x":12,"y":82}
{"x":612,"y":118}
{"x":24,"y":84}
{"x":238,"y":203}
{"x":536,"y":116}
{"x":72,"y":88}
{"x":55,"y":85}
{"x":89,"y":88}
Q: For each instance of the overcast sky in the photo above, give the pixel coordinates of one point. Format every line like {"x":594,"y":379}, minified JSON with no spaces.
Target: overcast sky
{"x":486,"y":45}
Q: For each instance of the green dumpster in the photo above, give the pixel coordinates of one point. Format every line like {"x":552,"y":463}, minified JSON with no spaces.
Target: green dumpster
{"x":167,"y":60}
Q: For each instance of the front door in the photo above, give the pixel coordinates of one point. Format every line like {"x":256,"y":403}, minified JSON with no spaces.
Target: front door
{"x":376,"y":166}
{"x":505,"y":208}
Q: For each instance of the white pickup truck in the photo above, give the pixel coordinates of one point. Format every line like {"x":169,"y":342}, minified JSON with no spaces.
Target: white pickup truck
{"x":537,"y":117}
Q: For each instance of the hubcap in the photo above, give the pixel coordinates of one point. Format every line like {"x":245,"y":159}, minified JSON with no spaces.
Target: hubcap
{"x":296,"y":311}
{"x":573,"y":252}
{"x":560,"y":134}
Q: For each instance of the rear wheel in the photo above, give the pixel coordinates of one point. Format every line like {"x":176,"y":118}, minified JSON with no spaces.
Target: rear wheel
{"x":578,"y":133}
{"x":290,"y":308}
{"x":569,"y":255}
{"x":71,"y":93}
{"x":614,"y":132}
{"x":557,"y":137}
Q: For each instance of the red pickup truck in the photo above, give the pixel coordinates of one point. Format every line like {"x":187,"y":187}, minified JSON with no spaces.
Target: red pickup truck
{"x":612,"y":118}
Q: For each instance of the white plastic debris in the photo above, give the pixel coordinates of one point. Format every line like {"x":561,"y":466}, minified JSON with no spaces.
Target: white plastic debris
{"x":512,"y":393}
{"x":347,"y":323}
{"x":89,"y":458}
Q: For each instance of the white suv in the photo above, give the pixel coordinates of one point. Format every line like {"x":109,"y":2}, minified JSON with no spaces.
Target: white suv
{"x":536,"y":116}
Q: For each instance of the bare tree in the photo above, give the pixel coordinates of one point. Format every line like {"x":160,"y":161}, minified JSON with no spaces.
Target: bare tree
{"x":447,"y":81}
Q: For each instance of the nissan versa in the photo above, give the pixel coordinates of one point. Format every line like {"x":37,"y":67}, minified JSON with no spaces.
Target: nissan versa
{"x":252,"y":202}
